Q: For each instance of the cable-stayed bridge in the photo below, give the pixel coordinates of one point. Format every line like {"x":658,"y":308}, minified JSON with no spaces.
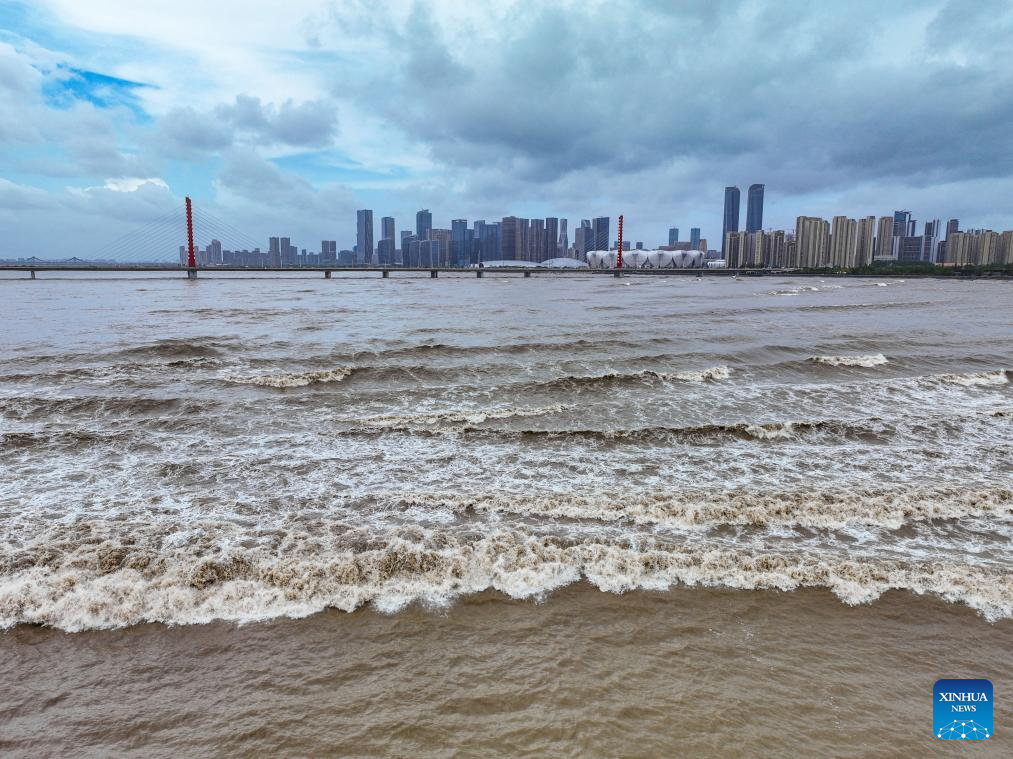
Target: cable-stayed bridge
{"x":155,"y":247}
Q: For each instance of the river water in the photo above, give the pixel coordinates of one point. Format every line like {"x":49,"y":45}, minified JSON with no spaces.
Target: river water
{"x":570,"y":514}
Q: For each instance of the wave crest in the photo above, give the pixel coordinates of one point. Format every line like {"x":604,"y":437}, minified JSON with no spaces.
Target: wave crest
{"x":297,"y":379}
{"x":122,"y":585}
{"x":875,"y":359}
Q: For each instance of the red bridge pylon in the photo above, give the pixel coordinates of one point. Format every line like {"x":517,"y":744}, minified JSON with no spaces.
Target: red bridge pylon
{"x":191,"y":260}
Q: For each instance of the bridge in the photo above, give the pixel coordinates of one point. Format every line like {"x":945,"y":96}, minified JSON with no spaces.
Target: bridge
{"x":149,"y":248}
{"x":34,"y":269}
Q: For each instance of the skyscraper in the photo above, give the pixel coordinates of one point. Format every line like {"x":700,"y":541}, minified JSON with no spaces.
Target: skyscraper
{"x":843,"y":242}
{"x":884,"y":237}
{"x":953,"y":225}
{"x":459,"y":253}
{"x":694,"y":238}
{"x":387,"y":228}
{"x":551,"y":247}
{"x":329,"y":252}
{"x":600,"y":232}
{"x":864,"y":249}
{"x":930,"y":241}
{"x":406,"y":240}
{"x":511,"y":238}
{"x":364,"y":237}
{"x":536,"y":240}
{"x":754,"y":208}
{"x":812,"y":235}
{"x":563,"y":245}
{"x":385,"y":252}
{"x":673,"y":235}
{"x":423,"y":223}
{"x":731,"y":217}
{"x":902,"y":224}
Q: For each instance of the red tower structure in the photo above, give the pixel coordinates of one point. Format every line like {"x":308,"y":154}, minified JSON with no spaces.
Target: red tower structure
{"x":191,"y":259}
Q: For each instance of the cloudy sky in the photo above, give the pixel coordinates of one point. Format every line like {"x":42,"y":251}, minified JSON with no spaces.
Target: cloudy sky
{"x":283,"y":118}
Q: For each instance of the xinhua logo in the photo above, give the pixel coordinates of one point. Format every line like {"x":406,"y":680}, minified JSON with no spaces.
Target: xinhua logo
{"x":962,"y":709}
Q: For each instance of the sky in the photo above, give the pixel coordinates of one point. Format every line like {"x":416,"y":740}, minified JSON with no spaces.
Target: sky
{"x":284,"y":118}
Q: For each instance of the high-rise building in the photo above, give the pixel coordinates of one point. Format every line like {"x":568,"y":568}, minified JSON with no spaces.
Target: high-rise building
{"x":777,"y":249}
{"x":429,"y":252}
{"x":443,"y":237}
{"x":953,"y":225}
{"x":902,"y":224}
{"x":406,"y":239}
{"x":884,"y":238}
{"x":551,"y":248}
{"x":582,"y":241}
{"x":930,"y":241}
{"x":843,"y":242}
{"x":563,"y":244}
{"x":385,"y":252}
{"x":731,"y":215}
{"x":536,"y":240}
{"x":423,"y":223}
{"x":673,"y":235}
{"x":411,"y":256}
{"x":460,"y":255}
{"x":487,"y":242}
{"x":812,"y":237}
{"x":511,"y":238}
{"x":1004,"y":255}
{"x":754,"y":208}
{"x":274,"y":252}
{"x":329,"y":252}
{"x":364,"y":237}
{"x":694,"y":238}
{"x":600,"y":233}
{"x":865,"y":241}
{"x":387,"y":228}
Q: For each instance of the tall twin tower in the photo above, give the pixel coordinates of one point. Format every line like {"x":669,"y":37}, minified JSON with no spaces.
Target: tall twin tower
{"x":754,"y":212}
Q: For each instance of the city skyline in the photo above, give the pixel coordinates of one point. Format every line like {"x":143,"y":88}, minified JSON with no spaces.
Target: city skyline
{"x":111,"y":118}
{"x":814,"y":243}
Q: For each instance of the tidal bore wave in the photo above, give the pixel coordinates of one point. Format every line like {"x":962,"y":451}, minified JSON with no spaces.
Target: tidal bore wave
{"x":126,"y":585}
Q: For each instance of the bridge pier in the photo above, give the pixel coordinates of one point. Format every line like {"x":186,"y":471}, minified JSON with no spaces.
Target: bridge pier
{"x":433,"y":274}
{"x":327,"y":275}
{"x":191,"y":274}
{"x":33,"y":273}
{"x":386,"y":274}
{"x":527,"y":274}
{"x":479,"y":273}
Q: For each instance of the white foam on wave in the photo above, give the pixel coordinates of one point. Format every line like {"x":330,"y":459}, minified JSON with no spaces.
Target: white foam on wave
{"x":713,"y":373}
{"x":298,"y":379}
{"x":453,"y":419}
{"x":972,"y":379}
{"x":261,"y":584}
{"x":812,"y":509}
{"x":869,"y":361}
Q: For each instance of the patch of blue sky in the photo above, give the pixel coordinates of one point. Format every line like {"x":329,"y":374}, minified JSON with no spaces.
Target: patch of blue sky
{"x":332,"y":166}
{"x":66,"y":85}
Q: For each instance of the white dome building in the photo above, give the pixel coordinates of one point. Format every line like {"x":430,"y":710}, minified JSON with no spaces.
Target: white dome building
{"x":647,"y":259}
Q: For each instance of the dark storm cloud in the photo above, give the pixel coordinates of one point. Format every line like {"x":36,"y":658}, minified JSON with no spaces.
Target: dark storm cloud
{"x":814,"y":96}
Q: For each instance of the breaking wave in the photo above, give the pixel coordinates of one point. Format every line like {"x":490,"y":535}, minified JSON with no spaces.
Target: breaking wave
{"x":814,"y":509}
{"x":868,"y":430}
{"x":711,"y":374}
{"x":876,"y":359}
{"x":115,"y":585}
{"x":449,"y":420}
{"x":972,"y":379}
{"x":298,"y":379}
